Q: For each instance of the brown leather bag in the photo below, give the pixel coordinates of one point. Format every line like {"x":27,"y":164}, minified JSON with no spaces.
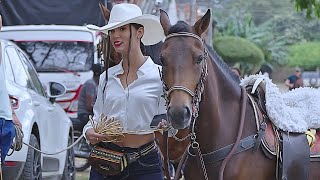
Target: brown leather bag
{"x":106,"y":161}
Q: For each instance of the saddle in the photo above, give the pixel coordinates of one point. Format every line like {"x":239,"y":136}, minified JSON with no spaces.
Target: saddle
{"x":291,"y":150}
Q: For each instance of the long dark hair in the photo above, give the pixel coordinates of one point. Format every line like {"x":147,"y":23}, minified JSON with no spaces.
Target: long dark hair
{"x":142,"y":48}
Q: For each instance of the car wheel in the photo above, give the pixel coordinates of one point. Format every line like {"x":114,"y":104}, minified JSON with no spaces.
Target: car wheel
{"x":69,"y":172}
{"x":313,"y":82}
{"x":32,"y":169}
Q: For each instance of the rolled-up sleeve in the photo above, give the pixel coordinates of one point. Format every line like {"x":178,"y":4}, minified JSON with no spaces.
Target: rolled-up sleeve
{"x":98,"y":105}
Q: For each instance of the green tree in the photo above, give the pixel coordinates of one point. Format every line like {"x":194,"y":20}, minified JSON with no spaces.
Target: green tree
{"x":312,"y":7}
{"x":306,"y":55}
{"x":272,"y":45}
{"x":236,"y":50}
{"x":272,"y":25}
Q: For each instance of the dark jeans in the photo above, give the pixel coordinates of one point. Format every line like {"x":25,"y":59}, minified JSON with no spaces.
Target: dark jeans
{"x":7,"y":132}
{"x":148,"y":167}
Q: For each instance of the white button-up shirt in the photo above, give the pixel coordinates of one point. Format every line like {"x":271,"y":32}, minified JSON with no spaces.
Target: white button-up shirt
{"x":134,"y":106}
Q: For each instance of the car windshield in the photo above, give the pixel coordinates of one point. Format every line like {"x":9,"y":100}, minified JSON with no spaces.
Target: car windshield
{"x":59,"y":56}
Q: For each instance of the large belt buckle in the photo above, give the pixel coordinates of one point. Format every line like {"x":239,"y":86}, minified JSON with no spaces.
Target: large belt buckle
{"x":132,"y":157}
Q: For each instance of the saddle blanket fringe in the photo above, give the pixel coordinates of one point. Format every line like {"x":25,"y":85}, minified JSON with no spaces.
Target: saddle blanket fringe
{"x":295,"y":111}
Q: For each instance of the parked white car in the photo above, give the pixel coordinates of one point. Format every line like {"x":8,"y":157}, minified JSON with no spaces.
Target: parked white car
{"x":59,"y":53}
{"x":45,"y":124}
{"x":311,"y":78}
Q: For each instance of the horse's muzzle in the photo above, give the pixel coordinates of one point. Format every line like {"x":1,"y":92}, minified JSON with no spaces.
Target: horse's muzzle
{"x":179,"y":117}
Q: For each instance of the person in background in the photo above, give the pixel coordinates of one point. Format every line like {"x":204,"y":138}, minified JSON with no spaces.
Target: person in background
{"x":295,"y":80}
{"x":7,"y":115}
{"x":87,"y":97}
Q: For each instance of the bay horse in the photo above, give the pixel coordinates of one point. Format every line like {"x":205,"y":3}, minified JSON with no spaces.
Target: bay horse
{"x":204,"y":96}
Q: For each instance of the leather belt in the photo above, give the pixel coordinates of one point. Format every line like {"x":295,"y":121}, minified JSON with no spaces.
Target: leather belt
{"x":133,"y":156}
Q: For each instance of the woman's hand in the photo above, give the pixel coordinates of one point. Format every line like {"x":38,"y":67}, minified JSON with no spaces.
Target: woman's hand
{"x":94,"y":137}
{"x":164,"y":125}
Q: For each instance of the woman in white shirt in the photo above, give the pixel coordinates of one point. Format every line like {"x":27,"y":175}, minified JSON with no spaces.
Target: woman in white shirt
{"x":131,"y":93}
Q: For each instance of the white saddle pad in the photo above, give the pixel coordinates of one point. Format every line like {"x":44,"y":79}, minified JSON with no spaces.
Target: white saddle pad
{"x":294,"y":111}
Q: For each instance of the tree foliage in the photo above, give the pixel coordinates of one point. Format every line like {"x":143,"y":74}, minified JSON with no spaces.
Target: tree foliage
{"x":236,"y":50}
{"x":311,"y":7}
{"x":272,"y":25}
{"x":306,"y":55}
{"x":271,"y":44}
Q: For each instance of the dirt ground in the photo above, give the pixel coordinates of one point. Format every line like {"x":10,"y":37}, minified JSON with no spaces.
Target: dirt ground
{"x":83,"y":175}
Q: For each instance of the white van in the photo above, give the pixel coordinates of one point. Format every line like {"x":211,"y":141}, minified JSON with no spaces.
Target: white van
{"x":59,"y":53}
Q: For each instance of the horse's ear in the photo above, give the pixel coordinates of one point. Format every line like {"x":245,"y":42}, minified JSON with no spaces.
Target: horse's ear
{"x":202,"y":24}
{"x":104,"y":11}
{"x":165,"y":21}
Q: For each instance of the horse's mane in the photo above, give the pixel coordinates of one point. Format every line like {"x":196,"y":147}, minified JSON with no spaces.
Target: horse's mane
{"x":216,"y":58}
{"x":182,"y":26}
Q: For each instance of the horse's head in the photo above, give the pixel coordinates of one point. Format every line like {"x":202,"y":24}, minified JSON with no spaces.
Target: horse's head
{"x":183,"y":56}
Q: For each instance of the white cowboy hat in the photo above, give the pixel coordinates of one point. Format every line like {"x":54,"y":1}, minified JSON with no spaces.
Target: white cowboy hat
{"x":125,"y":13}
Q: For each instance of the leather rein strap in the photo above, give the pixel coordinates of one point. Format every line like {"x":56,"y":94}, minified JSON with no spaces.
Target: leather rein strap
{"x":166,"y":155}
{"x":242,"y":116}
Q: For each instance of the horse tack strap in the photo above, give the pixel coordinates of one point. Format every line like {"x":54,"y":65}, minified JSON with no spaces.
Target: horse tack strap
{"x":181,"y":164}
{"x":295,"y":157}
{"x":185,"y":34}
{"x":220,"y":154}
{"x":200,"y":162}
{"x":166,"y":155}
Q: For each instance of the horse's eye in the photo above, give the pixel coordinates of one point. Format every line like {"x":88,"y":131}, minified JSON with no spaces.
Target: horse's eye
{"x":200,"y":58}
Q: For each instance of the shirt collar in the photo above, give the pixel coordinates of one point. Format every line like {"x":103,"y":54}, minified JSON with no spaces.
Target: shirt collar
{"x":144,"y":68}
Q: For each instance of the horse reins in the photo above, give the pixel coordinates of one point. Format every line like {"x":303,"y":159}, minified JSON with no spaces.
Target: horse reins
{"x":196,"y":99}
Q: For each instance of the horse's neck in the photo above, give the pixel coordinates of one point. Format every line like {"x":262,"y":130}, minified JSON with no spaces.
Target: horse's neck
{"x":224,"y":90}
{"x":219,"y":108}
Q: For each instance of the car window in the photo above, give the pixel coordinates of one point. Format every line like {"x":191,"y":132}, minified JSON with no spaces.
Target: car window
{"x":33,"y":75}
{"x":8,"y":68}
{"x":59,"y":56}
{"x":19,"y":72}
{"x":55,"y":50}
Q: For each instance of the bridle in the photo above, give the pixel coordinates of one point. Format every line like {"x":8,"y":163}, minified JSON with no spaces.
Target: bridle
{"x":195,"y":95}
{"x":196,"y":99}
